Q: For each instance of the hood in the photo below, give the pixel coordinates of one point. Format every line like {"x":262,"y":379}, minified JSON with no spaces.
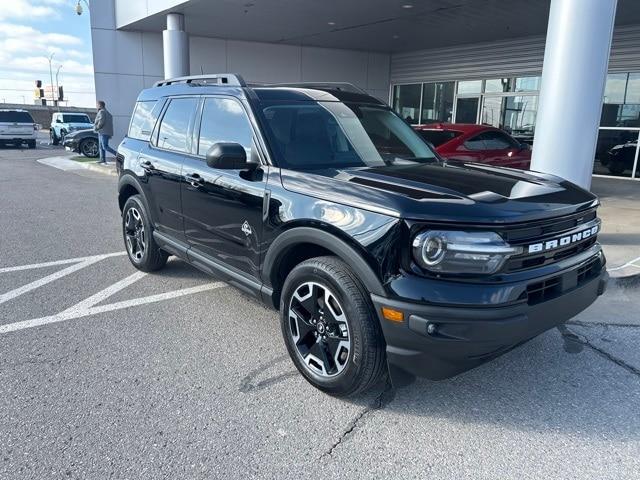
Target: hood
{"x":82,"y":131}
{"x":448,"y":191}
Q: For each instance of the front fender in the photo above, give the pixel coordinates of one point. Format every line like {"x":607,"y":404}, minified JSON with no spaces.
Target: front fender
{"x":303,"y":235}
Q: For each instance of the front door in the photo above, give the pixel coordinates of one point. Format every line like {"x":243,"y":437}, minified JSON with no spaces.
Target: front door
{"x":222,"y":209}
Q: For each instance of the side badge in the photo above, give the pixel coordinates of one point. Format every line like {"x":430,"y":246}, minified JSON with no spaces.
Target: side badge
{"x":246,"y":228}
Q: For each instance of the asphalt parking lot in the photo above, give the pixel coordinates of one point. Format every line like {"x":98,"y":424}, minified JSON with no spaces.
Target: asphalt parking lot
{"x":109,"y":373}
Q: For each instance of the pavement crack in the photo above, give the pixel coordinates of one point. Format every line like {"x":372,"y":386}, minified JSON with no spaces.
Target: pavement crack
{"x":602,"y":324}
{"x":381,"y":401}
{"x":572,"y":337}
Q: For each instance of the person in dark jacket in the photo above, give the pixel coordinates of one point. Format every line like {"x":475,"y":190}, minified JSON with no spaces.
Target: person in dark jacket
{"x":103,"y":126}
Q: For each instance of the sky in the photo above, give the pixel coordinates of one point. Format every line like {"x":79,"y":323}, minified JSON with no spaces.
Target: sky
{"x":30,"y":31}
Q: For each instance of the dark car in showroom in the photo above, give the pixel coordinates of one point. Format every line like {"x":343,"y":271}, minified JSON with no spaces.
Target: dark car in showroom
{"x":476,"y":143}
{"x":82,"y":141}
{"x":620,"y":158}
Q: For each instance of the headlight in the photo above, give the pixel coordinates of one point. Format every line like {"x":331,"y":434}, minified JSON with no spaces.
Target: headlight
{"x":443,"y":251}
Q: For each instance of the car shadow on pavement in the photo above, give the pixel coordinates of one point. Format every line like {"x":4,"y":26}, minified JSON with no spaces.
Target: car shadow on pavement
{"x":547,"y":385}
{"x":177,"y":269}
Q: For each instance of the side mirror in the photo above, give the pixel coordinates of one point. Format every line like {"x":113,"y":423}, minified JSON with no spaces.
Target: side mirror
{"x":227,"y":156}
{"x":58,"y":120}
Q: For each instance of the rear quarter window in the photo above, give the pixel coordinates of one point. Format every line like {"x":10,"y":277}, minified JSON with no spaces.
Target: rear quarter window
{"x":142,"y":121}
{"x":16,"y":117}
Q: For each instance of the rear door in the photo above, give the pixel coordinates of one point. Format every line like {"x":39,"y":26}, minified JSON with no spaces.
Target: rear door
{"x":160,"y":164}
{"x":223,"y":208}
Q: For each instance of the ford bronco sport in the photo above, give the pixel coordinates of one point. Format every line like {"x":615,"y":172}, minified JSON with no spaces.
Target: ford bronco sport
{"x":381,"y":256}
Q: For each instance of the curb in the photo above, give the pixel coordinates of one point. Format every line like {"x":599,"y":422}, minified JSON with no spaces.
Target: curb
{"x":105,"y":170}
{"x":67,"y":164}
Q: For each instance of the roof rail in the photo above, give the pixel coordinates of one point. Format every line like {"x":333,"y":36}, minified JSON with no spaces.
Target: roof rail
{"x":342,"y":86}
{"x":231,"y":79}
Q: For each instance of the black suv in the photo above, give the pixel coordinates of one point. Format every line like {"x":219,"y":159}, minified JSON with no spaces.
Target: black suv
{"x":320,"y":201}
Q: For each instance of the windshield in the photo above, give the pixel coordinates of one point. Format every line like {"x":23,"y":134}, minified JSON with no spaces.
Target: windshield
{"x":76,"y":119}
{"x":315,"y":135}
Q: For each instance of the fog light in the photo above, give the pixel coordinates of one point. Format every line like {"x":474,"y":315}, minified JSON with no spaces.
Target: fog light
{"x":431,"y":328}
{"x":392,"y":315}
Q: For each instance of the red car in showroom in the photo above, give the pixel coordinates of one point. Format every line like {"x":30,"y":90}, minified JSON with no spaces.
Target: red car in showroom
{"x":476,"y":143}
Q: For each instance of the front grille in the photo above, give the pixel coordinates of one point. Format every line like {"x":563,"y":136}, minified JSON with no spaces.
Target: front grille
{"x":545,"y":228}
{"x":541,"y":232}
{"x":555,"y":286}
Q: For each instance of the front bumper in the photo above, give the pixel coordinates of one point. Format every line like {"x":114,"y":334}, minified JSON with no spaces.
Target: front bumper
{"x":440,"y":341}
{"x":71,"y":144}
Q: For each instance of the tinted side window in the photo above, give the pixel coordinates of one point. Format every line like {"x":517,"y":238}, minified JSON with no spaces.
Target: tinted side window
{"x":142,"y":121}
{"x":224,"y":120}
{"x":475,"y":143}
{"x":175,"y":124}
{"x":496,"y":141}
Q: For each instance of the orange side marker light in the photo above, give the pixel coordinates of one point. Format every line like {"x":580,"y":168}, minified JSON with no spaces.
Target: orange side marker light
{"x":392,"y":315}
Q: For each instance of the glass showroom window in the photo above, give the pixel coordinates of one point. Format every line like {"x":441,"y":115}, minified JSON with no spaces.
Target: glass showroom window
{"x":406,"y":102}
{"x":617,"y":147}
{"x":437,"y":102}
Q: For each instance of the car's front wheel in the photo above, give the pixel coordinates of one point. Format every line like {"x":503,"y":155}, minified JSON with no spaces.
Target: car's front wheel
{"x":137,"y":231}
{"x":89,"y":147}
{"x":55,"y":140}
{"x":330,"y":327}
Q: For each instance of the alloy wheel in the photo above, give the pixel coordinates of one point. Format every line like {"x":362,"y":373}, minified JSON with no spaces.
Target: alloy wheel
{"x":90,"y":148}
{"x":319,"y":329}
{"x":135,"y":234}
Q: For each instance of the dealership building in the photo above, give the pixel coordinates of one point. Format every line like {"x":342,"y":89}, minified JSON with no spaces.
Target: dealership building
{"x":465,"y":61}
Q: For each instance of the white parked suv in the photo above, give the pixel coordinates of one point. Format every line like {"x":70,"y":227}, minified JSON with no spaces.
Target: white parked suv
{"x":64,"y":123}
{"x":17,"y":127}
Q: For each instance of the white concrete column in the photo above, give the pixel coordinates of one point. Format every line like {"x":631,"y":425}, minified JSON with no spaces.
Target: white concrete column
{"x":576,"y":58}
{"x":175,"y":47}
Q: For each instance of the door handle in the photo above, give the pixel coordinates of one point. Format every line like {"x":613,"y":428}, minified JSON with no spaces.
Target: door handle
{"x":194,"y":180}
{"x":147,"y":166}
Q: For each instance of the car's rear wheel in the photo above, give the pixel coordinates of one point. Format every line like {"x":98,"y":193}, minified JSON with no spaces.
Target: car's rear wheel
{"x":89,"y":147}
{"x":330,"y":327}
{"x":137,"y":232}
{"x":31,"y":144}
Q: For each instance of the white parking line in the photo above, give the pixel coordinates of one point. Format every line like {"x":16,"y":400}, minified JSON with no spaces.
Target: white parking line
{"x":16,"y":292}
{"x":58,"y":262}
{"x":73,"y":312}
{"x":106,"y":293}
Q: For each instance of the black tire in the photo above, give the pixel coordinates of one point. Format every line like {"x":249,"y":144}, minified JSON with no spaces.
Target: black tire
{"x":364,"y":363}
{"x":616,"y":167}
{"x":147,"y":256}
{"x":32,"y":144}
{"x":89,"y":148}
{"x":55,"y":140}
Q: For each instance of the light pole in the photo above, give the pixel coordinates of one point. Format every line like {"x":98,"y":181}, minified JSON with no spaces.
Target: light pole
{"x":79,"y":8}
{"x":51,"y":78}
{"x":57,"y":86}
